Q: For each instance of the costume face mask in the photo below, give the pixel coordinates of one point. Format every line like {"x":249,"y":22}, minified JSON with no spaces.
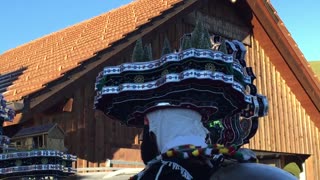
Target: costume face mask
{"x":175,"y":127}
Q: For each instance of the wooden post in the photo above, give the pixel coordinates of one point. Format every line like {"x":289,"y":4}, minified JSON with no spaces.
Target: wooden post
{"x":281,"y":111}
{"x":313,"y":146}
{"x":309,"y":169}
{"x":264,"y":91}
{"x":296,"y":128}
{"x":271,"y":116}
{"x":285,"y":116}
{"x":274,"y":106}
{"x":302,"y":127}
{"x":257,"y":61}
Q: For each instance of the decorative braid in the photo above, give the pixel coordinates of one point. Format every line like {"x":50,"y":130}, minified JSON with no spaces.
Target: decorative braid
{"x":188,"y":151}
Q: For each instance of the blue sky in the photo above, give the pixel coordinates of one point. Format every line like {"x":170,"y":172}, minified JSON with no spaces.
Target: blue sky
{"x":26,"y":20}
{"x":302,"y":20}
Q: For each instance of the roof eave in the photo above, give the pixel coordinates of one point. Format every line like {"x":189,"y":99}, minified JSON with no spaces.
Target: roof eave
{"x":299,"y":66}
{"x":28,"y":135}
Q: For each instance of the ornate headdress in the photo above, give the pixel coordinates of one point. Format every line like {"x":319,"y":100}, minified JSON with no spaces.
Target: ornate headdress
{"x":214,"y":82}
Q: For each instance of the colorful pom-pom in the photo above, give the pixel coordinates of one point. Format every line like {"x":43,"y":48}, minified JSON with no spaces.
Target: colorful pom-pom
{"x":170,"y":153}
{"x":195,"y":153}
{"x":224,"y":151}
{"x":219,"y":146}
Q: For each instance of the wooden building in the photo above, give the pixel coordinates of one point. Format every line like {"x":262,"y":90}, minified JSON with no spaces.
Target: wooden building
{"x":47,"y":136}
{"x":54,"y":77}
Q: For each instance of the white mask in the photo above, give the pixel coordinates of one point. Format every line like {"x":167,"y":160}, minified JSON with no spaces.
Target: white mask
{"x":175,"y":127}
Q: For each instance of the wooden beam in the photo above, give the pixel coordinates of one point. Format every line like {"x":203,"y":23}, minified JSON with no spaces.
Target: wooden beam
{"x":68,"y":106}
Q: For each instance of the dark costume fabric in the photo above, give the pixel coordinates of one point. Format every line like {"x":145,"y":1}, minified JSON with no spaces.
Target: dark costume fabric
{"x":148,"y":146}
{"x":197,"y":168}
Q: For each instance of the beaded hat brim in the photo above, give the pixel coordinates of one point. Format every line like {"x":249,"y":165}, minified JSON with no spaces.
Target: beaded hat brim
{"x":216,"y":88}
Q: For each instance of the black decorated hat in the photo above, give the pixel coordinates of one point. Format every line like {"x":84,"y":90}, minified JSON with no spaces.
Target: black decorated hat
{"x":210,"y":77}
{"x":205,"y":80}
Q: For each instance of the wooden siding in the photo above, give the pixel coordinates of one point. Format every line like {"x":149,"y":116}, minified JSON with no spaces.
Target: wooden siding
{"x":287,"y":128}
{"x":91,"y":135}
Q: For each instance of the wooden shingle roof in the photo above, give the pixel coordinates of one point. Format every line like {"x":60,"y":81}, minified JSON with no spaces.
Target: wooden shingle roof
{"x":48,"y":58}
